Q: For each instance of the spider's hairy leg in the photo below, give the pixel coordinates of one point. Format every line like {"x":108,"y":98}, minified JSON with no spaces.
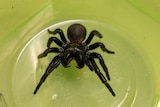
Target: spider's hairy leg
{"x":47,"y":51}
{"x":101,"y":60}
{"x":60,"y":32}
{"x":102,"y":46}
{"x":56,"y":40}
{"x":101,"y":77}
{"x":53,"y":64}
{"x":91,"y":35}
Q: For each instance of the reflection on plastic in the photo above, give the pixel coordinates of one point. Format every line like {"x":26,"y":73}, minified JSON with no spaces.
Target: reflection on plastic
{"x":2,"y":101}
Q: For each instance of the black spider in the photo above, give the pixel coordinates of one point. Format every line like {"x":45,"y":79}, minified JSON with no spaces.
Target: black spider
{"x":76,"y":49}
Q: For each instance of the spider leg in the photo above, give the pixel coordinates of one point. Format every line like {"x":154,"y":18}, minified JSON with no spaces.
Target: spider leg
{"x":89,"y":65}
{"x":49,"y":50}
{"x":87,"y":62}
{"x":60,"y":32}
{"x":102,"y":46}
{"x":53,"y":64}
{"x":101,"y":60}
{"x":101,"y":77}
{"x":91,"y":35}
{"x":56,"y":40}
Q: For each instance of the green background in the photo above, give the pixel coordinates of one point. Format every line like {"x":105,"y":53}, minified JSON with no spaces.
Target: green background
{"x":140,"y":19}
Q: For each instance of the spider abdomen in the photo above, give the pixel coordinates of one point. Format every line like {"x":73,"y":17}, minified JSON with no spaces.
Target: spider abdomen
{"x":76,"y":33}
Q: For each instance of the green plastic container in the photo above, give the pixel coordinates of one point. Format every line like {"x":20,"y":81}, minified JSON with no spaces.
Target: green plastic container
{"x":130,"y":28}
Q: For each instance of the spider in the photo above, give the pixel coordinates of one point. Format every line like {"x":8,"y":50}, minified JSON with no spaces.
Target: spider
{"x":75,"y":49}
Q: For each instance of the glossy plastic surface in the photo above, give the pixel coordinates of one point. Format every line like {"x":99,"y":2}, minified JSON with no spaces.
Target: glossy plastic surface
{"x":130,"y":28}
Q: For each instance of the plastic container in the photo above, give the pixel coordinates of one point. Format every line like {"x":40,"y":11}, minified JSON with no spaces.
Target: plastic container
{"x":130,"y":28}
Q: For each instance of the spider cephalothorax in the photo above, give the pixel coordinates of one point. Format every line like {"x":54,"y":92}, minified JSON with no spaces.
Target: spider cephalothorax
{"x":76,"y":49}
